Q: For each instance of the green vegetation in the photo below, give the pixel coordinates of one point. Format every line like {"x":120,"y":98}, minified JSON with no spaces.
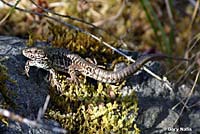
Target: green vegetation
{"x":164,"y":41}
{"x":95,"y":109}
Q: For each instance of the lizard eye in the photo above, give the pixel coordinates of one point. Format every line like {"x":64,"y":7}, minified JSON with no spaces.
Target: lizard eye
{"x":32,"y":56}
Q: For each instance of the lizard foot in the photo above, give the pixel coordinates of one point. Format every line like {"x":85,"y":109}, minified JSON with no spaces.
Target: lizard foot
{"x":74,"y":80}
{"x":54,"y":81}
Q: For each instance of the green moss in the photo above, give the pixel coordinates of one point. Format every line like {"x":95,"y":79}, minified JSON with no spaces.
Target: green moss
{"x":76,"y":42}
{"x":94,"y":109}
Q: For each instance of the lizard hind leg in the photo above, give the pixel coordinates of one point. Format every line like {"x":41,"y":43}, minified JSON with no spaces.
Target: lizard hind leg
{"x":54,"y":80}
{"x":94,"y":61}
{"x":73,"y":75}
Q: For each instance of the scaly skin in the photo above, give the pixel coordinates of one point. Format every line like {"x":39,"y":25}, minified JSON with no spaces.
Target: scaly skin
{"x":59,"y":59}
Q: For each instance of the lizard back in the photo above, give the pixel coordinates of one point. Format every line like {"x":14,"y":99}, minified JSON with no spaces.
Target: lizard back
{"x":63,"y":60}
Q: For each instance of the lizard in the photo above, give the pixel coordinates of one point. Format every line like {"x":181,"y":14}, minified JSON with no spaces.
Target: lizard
{"x":60,"y":59}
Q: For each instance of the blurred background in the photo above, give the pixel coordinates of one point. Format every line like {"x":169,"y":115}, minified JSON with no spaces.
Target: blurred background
{"x":143,"y":25}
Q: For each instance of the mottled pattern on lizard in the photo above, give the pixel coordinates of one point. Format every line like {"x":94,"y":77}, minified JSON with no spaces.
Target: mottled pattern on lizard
{"x":59,"y":59}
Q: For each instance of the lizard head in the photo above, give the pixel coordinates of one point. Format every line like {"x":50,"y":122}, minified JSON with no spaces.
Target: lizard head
{"x":34,"y":53}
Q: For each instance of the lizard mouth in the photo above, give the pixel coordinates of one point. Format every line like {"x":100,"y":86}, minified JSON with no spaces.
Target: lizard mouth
{"x":25,"y":52}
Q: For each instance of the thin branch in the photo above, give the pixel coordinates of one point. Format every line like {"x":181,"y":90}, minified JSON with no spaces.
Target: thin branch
{"x":194,"y":14}
{"x":42,"y":110}
{"x":101,"y":22}
{"x":34,"y":123}
{"x":189,"y":96}
{"x":193,"y":2}
{"x":18,"y":118}
{"x":65,"y":16}
{"x":169,"y":12}
{"x":9,"y":13}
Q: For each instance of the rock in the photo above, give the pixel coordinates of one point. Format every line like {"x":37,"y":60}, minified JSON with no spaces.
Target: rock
{"x":29,"y":94}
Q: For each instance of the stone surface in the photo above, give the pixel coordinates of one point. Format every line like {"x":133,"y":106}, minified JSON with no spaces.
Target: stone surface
{"x":29,"y":94}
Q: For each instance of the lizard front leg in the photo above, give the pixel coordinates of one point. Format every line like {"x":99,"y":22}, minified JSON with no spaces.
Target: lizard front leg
{"x":27,"y":66}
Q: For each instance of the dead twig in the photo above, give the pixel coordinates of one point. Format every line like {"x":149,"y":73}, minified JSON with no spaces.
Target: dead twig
{"x":9,"y":13}
{"x":101,"y":22}
{"x":192,"y":89}
{"x":65,"y":16}
{"x":33,"y":123}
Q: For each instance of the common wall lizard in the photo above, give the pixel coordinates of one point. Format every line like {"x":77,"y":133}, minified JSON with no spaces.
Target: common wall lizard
{"x":59,"y":59}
